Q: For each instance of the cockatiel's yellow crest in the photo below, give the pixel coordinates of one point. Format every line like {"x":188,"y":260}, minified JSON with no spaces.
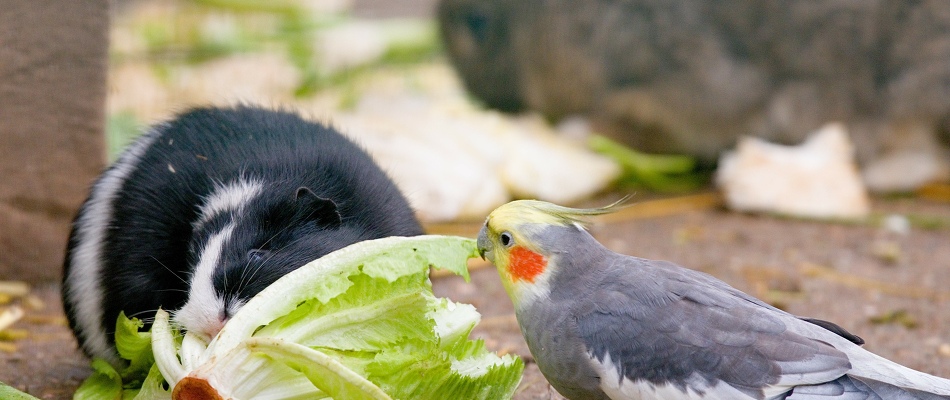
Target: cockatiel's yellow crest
{"x":539,"y":212}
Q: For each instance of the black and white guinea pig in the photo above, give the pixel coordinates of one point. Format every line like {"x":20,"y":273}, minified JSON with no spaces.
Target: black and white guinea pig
{"x":203,"y":212}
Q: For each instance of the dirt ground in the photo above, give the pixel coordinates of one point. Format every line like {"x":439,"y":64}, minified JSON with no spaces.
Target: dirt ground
{"x":888,"y":287}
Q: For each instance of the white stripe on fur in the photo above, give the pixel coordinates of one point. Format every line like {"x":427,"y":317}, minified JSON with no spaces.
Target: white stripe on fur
{"x":85,"y":291}
{"x":201,"y":313}
{"x":227,"y":199}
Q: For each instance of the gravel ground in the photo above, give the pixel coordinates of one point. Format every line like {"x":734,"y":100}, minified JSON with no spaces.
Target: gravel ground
{"x":849,"y":274}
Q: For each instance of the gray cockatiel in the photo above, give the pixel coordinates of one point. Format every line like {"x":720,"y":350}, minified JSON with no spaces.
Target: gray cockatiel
{"x":602,"y":325}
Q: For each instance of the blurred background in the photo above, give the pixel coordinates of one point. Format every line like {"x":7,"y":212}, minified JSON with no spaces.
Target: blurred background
{"x":469,"y":104}
{"x":798,"y":150}
{"x":377,"y":70}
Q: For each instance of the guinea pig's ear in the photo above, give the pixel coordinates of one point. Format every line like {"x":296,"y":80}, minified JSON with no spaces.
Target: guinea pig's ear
{"x":316,"y":208}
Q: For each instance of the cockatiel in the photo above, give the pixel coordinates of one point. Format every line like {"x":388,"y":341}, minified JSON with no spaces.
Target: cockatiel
{"x":602,"y":325}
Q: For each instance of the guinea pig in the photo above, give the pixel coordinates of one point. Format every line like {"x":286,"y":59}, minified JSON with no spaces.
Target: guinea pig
{"x":691,"y":77}
{"x":204,"y":211}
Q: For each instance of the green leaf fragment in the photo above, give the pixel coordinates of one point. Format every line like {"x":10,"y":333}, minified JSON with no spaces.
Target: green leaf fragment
{"x":104,"y":383}
{"x":7,"y":392}
{"x":153,"y":387}
{"x":134,"y":346}
{"x":139,"y":376}
{"x":466,"y":370}
{"x":669,"y":173}
{"x":451,"y":255}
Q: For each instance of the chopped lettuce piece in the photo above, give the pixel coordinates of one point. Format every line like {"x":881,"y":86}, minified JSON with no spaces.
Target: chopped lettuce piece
{"x":398,"y":371}
{"x":7,"y":392}
{"x":359,"y":323}
{"x":104,"y":383}
{"x":134,"y":346}
{"x":153,"y":387}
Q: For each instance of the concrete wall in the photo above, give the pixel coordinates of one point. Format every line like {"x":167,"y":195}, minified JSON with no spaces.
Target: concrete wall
{"x":53,"y":64}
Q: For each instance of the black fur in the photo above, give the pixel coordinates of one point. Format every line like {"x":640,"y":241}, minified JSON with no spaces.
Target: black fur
{"x":320,"y":193}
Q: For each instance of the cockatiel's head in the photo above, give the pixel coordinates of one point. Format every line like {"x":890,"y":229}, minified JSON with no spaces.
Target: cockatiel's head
{"x":524,"y":238}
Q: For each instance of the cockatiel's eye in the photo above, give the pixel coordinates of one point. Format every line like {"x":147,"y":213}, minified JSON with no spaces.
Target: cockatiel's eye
{"x":506,"y":239}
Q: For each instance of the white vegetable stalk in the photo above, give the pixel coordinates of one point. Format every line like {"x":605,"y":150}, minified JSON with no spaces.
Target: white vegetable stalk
{"x":163,"y":347}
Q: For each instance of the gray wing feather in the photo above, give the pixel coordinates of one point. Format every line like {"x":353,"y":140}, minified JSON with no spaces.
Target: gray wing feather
{"x":668,"y":325}
{"x":851,"y":387}
{"x":840,"y":389}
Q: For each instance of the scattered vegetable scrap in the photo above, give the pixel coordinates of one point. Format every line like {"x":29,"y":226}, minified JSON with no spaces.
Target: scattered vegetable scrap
{"x":900,"y":317}
{"x":817,"y":179}
{"x":18,"y":304}
{"x":9,"y":393}
{"x":10,"y":314}
{"x":10,"y":290}
{"x":665,"y":173}
{"x":944,"y":349}
{"x":896,"y":223}
{"x":887,"y":251}
{"x":775,"y":286}
{"x":688,"y":234}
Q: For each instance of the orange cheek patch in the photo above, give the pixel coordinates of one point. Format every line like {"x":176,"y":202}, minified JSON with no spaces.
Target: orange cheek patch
{"x":524,"y":264}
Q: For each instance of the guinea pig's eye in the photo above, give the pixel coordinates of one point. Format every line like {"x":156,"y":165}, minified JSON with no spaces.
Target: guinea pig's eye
{"x":257,"y":255}
{"x":506,"y":239}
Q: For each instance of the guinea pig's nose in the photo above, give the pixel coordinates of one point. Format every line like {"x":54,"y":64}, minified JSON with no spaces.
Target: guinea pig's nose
{"x":213,"y":327}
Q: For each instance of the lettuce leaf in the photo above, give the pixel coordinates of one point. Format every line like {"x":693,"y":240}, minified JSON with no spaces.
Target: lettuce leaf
{"x":134,"y":346}
{"x":104,"y":383}
{"x":359,"y":323}
{"x":140,"y":379}
{"x":7,"y":392}
{"x":420,"y":370}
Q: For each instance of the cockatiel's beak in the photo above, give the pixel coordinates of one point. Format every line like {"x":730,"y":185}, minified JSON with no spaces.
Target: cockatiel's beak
{"x":484,"y":245}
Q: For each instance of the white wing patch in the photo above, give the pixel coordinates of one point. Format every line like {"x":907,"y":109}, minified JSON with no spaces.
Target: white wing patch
{"x":85,"y":291}
{"x":618,"y":388}
{"x":202,"y":312}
